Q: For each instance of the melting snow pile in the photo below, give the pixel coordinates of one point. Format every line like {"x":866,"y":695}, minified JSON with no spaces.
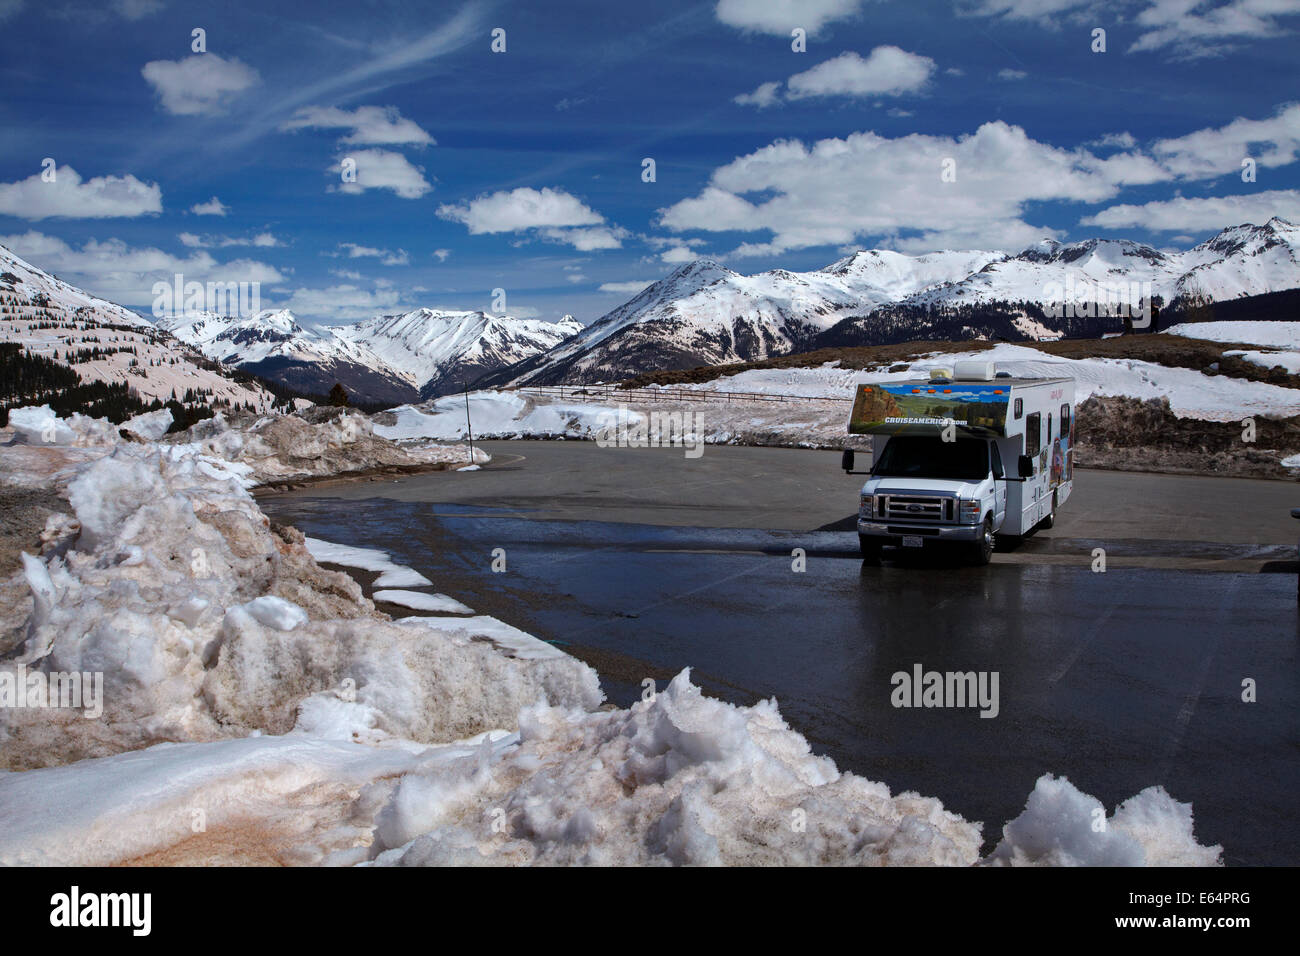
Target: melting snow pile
{"x":285,"y":446}
{"x":495,"y":414}
{"x":256,"y":709}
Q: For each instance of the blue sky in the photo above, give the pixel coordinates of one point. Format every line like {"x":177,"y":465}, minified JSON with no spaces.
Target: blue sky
{"x":523,"y":170}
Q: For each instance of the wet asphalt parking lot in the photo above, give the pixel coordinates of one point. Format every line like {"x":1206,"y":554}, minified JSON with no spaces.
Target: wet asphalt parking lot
{"x":643,"y":562}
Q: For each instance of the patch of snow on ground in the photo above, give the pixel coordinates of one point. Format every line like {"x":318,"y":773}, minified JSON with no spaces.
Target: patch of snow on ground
{"x":391,"y":574}
{"x":418,"y":601}
{"x":1288,"y":360}
{"x":1282,"y":335}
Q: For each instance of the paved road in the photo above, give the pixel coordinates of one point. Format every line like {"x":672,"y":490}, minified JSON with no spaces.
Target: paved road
{"x":645,"y":564}
{"x":1140,"y":519}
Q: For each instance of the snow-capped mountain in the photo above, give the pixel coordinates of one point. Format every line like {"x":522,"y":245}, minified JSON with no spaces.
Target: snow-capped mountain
{"x":705,"y":314}
{"x":272,"y":344}
{"x":439,"y":351}
{"x":386,"y":359}
{"x":105,"y":342}
{"x":1239,"y":261}
{"x":39,"y":287}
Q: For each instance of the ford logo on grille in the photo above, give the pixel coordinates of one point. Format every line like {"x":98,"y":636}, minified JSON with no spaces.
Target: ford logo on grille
{"x":915,"y":508}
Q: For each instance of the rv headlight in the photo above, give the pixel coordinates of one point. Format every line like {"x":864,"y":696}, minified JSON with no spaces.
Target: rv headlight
{"x":969,"y":509}
{"x":866,"y":505}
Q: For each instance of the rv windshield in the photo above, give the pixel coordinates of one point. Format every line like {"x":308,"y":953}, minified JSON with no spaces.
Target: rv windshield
{"x":909,"y":456}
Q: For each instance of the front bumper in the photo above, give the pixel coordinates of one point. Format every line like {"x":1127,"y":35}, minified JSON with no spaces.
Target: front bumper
{"x":893,"y":532}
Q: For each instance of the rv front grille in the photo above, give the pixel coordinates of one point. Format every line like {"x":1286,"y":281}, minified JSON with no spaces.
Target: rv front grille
{"x":917,"y":508}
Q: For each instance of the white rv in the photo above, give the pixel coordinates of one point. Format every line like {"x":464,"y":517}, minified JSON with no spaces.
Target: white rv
{"x":969,"y":455}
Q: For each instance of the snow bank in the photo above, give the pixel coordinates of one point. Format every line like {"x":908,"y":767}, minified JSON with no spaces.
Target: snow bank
{"x":39,"y":425}
{"x":681,"y":779}
{"x":280,"y":447}
{"x":150,"y":426}
{"x":1276,"y":334}
{"x":207,"y":625}
{"x":1061,"y":826}
{"x":496,"y":414}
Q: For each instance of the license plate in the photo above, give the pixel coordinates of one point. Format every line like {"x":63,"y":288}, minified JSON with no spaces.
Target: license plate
{"x":913,"y":541}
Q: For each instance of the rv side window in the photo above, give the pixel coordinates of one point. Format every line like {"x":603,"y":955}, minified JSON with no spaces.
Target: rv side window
{"x":1033,"y":434}
{"x":997,"y":462}
{"x":1020,"y":407}
{"x":1049,"y":428}
{"x":1065,"y":421}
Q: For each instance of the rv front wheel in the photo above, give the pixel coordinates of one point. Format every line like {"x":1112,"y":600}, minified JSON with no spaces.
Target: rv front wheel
{"x":982,"y":550}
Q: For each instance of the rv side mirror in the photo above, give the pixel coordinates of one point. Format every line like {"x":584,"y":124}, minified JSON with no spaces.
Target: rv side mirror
{"x":846,"y":459}
{"x":1026,"y":466}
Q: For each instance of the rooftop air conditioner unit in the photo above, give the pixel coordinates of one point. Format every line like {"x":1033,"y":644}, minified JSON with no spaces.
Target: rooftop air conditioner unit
{"x":973,"y":370}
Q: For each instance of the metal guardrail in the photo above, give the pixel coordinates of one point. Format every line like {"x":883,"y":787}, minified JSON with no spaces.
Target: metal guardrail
{"x":614,"y":393}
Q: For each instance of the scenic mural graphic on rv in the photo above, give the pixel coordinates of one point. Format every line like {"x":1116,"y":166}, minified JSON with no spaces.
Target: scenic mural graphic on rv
{"x":900,"y":407}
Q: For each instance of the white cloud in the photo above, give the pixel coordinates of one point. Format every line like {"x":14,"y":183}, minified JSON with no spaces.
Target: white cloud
{"x":213,"y":207}
{"x":575,"y":277}
{"x":587,"y":239}
{"x":263,"y":240}
{"x":767,"y":94}
{"x":1186,"y":28}
{"x":1200,"y":214}
{"x":126,"y":274}
{"x":442,"y":254}
{"x":1123,"y":140}
{"x":341,"y":302}
{"x":1009,"y":74}
{"x":676,"y":255}
{"x":553,"y":214}
{"x":1217,"y":150}
{"x":779,"y":17}
{"x":1196,"y":28}
{"x":350,"y":274}
{"x":521,"y":209}
{"x":203,"y":83}
{"x":381,"y":169}
{"x":626,"y":288}
{"x":887,"y":71}
{"x":70,"y":197}
{"x":837,"y":191}
{"x":388,"y":257}
{"x":370,"y":125}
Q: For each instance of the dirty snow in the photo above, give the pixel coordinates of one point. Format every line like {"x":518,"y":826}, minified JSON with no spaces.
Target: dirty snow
{"x":1288,"y":360}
